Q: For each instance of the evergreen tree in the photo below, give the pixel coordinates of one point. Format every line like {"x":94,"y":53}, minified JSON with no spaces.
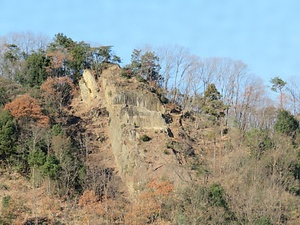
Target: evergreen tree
{"x":146,"y":66}
{"x":286,"y":123}
{"x":3,"y":96}
{"x":212,"y":103}
{"x":8,"y":134}
{"x":73,"y":57}
{"x":61,"y":40}
{"x":278,"y":85}
{"x":36,"y":158}
{"x":150,"y":67}
{"x":35,"y":71}
{"x":136,"y":62}
{"x":51,"y":167}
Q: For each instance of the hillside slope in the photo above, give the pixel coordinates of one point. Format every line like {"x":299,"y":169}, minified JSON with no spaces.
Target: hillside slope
{"x":140,"y":161}
{"x":133,"y":114}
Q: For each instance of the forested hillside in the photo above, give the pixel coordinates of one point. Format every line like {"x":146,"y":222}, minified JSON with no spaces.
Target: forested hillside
{"x":171,"y":138}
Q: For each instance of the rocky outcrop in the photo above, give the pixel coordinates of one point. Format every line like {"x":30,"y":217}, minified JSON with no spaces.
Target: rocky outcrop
{"x":89,"y":88}
{"x":134,"y":112}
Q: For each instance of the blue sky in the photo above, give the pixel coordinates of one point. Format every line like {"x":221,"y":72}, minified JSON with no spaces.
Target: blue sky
{"x":265,"y":34}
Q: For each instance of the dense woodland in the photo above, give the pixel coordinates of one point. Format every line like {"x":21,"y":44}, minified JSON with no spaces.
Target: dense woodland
{"x":255,"y":125}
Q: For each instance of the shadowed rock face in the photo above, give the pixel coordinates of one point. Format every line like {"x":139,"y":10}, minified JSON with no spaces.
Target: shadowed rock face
{"x":138,"y":111}
{"x":140,"y":100}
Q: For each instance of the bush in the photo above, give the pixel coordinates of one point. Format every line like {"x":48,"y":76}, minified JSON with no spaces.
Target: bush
{"x":5,"y":201}
{"x":126,"y":73}
{"x":4,"y":186}
{"x":145,"y":138}
{"x":259,"y":142}
{"x":13,"y":210}
{"x":51,"y":167}
{"x":216,"y":196}
{"x":263,"y":221}
{"x":140,"y":79}
{"x":57,"y":130}
{"x":163,"y":99}
{"x":36,"y":158}
{"x":166,"y":152}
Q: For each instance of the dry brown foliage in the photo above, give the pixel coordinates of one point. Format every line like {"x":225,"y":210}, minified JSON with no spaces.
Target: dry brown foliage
{"x":147,"y":207}
{"x":58,"y":58}
{"x":52,"y":84}
{"x":26,"y":108}
{"x":91,"y":205}
{"x":96,"y":210}
{"x":58,"y":91}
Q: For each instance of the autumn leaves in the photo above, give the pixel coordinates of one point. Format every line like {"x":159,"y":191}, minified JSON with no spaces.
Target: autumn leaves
{"x":26,"y":109}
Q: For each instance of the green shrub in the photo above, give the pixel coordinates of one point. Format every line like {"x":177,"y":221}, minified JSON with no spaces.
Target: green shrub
{"x":286,"y":123}
{"x":216,"y":196}
{"x":36,"y":158}
{"x":57,"y":130}
{"x":140,"y":79}
{"x":8,"y":134}
{"x":258,"y":141}
{"x":166,"y":152}
{"x":51,"y":167}
{"x":4,"y":187}
{"x":145,"y":138}
{"x":5,"y":201}
{"x":126,"y":74}
{"x":163,"y":99}
{"x":263,"y":221}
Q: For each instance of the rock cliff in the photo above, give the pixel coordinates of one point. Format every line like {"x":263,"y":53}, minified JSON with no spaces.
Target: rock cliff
{"x":88,"y":88}
{"x":137,"y":131}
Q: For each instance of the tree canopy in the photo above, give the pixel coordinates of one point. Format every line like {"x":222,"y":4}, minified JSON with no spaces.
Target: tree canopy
{"x":286,"y":123}
{"x":26,"y":109}
{"x":212,"y":103}
{"x":8,"y":134}
{"x":146,"y":65}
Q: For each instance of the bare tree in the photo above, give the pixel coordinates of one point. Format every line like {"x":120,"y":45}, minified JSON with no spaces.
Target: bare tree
{"x":209,"y":70}
{"x":15,"y":48}
{"x":250,"y":101}
{"x":165,"y":55}
{"x":293,"y":92}
{"x":232,"y":81}
{"x":27,"y":41}
{"x":176,"y":62}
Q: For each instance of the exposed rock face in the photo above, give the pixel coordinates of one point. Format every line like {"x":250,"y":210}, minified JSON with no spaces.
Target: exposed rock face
{"x":89,"y":88}
{"x":133,"y":112}
{"x":137,"y":108}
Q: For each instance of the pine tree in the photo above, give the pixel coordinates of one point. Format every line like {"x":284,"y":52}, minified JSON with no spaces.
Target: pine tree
{"x":286,"y":123}
{"x":212,"y":103}
{"x":8,"y":134}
